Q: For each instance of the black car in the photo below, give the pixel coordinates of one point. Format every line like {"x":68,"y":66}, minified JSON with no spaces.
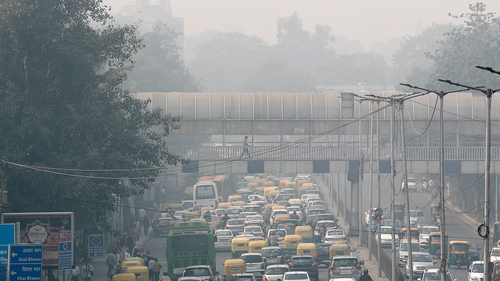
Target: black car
{"x":160,"y":226}
{"x":324,"y":254}
{"x":473,"y":251}
{"x":305,"y":263}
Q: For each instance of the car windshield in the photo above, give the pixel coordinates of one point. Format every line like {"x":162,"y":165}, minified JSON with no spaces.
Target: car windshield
{"x":276,"y":270}
{"x":296,"y":276}
{"x":345,"y":262}
{"x":280,"y":212}
{"x":335,"y":232}
{"x":223,"y":233}
{"x":163,"y":222}
{"x":472,"y":245}
{"x":478,"y":268}
{"x":235,"y":222}
{"x":433,"y":276}
{"x":422,"y":258}
{"x":326,"y":224}
{"x":302,"y":260}
{"x":386,"y":230}
{"x":196,"y":272}
{"x":251,"y":258}
{"x":271,"y":252}
{"x":253,"y":229}
{"x":279,"y":232}
{"x":460,"y":247}
{"x":428,"y":230}
{"x":414,"y":247}
{"x":220,"y":212}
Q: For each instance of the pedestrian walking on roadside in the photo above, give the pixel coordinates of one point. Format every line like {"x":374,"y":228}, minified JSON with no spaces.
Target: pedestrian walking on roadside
{"x":165,"y":277}
{"x":245,"y":147}
{"x":111,"y":263}
{"x":74,"y":272}
{"x":151,"y":267}
{"x":137,"y":225}
{"x":156,"y":270}
{"x":87,"y":272}
{"x":146,"y":225}
{"x":365,"y":276}
{"x":130,"y":242}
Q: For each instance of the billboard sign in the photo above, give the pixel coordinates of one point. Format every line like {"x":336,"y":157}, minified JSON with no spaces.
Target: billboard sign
{"x":47,"y":229}
{"x":7,"y":237}
{"x":65,"y":255}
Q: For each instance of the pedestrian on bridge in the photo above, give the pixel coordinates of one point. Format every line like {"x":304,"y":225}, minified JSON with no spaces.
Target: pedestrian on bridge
{"x":245,"y":147}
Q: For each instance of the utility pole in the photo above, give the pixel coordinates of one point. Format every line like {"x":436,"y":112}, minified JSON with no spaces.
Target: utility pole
{"x":379,"y":236}
{"x":484,"y":228}
{"x":393,"y":195}
{"x":370,"y":207}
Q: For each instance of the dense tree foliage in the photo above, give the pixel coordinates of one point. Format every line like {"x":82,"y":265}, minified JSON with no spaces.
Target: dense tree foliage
{"x":477,"y":42}
{"x":158,"y":66}
{"x":72,"y":132}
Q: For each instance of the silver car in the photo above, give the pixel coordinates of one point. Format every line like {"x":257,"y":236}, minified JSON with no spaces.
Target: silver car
{"x":333,"y":236}
{"x":255,"y":264}
{"x":272,"y":255}
{"x":235,"y":225}
{"x":421,"y":262}
{"x":275,"y":272}
{"x":345,"y":266}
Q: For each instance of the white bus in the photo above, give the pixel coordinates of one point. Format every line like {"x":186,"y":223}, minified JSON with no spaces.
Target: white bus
{"x":205,"y":192}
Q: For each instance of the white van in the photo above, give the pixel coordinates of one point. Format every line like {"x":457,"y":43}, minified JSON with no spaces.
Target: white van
{"x":205,"y":192}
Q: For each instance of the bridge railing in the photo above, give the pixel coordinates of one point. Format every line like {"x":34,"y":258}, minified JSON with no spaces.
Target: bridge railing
{"x":327,"y":153}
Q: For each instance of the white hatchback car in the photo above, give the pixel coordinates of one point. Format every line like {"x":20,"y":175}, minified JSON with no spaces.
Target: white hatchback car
{"x":476,"y":271}
{"x":333,"y":236}
{"x":224,"y":239}
{"x":296,"y":276}
{"x":275,"y":272}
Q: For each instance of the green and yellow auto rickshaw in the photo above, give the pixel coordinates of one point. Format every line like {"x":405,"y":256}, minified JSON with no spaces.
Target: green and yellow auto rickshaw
{"x":435,"y":243}
{"x":290,"y":244}
{"x":239,"y":245}
{"x":458,"y":253}
{"x":306,"y":232}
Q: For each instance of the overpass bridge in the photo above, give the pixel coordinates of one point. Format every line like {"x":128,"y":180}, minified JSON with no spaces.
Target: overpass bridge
{"x":320,"y":132}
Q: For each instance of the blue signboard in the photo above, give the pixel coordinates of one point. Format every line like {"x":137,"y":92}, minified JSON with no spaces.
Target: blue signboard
{"x":96,"y":246}
{"x":25,"y":262}
{"x":65,"y":254}
{"x":7,"y":237}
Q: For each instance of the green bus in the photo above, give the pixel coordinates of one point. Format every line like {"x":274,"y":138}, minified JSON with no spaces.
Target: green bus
{"x":189,"y":243}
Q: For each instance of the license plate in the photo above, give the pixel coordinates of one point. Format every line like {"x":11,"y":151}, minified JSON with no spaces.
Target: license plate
{"x":271,"y":260}
{"x":345,"y":271}
{"x":223,"y":240}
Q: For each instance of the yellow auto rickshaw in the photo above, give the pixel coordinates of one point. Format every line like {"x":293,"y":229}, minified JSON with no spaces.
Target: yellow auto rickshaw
{"x":283,"y":183}
{"x":268,"y":189}
{"x":234,"y":266}
{"x":301,"y":182}
{"x":294,"y":201}
{"x":233,"y":198}
{"x":141,"y":260}
{"x":253,"y":185}
{"x":191,"y":215}
{"x":256,"y":246}
{"x":302,"y":190}
{"x":124,"y":265}
{"x":203,"y":209}
{"x":239,"y":203}
{"x":290,"y":244}
{"x":141,"y":272}
{"x":123,"y":277}
{"x":307,"y":249}
{"x":271,"y":195}
{"x":261,"y":189}
{"x":239,"y":245}
{"x":176,"y":206}
{"x":306,"y":232}
{"x":339,"y":249}
{"x":268,"y":210}
{"x":224,"y":205}
{"x":415,"y":233}
{"x":458,"y":254}
{"x":435,"y":243}
{"x":292,"y":185}
{"x":268,"y":183}
{"x":279,"y":218}
{"x":277,"y":207}
{"x":308,"y":185}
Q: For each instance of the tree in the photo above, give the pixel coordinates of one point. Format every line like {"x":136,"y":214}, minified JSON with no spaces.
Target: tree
{"x":69,"y":133}
{"x":475,"y":43}
{"x":158,"y":66}
{"x":290,"y":31}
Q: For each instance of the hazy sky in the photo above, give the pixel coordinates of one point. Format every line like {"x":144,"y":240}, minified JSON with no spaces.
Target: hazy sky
{"x":365,"y":20}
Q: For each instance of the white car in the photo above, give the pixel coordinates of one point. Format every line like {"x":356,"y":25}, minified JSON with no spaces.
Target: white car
{"x":224,"y":239}
{"x":495,"y":254}
{"x":403,"y":250}
{"x":421,"y":262}
{"x":255,"y":263}
{"x":332,"y":236}
{"x":296,"y":276}
{"x":275,"y":213}
{"x":275,"y":272}
{"x":386,"y":236}
{"x":414,"y":215}
{"x":424,"y":235}
{"x":476,"y":271}
{"x":412,"y":184}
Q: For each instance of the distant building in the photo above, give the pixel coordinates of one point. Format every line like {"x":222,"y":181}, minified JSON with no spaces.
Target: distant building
{"x":147,"y":14}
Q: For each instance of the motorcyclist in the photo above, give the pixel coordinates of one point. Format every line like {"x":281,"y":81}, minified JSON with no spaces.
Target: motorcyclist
{"x":207,"y":216}
{"x":365,"y":276}
{"x":273,"y":239}
{"x":223,"y":220}
{"x":294,"y":216}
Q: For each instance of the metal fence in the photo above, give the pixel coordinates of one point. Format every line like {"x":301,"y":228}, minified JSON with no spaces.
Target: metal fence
{"x":327,"y":153}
